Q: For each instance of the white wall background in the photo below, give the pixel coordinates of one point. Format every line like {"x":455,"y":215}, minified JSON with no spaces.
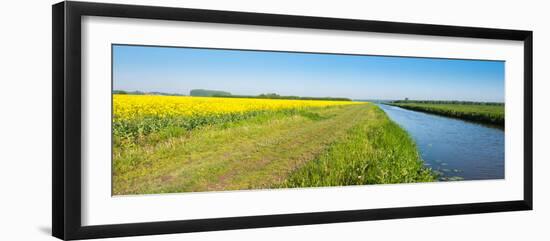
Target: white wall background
{"x":25,"y":119}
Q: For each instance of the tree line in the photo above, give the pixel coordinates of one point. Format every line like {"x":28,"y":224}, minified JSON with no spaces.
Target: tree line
{"x":285,"y":97}
{"x":456,"y":102}
{"x":225,"y":94}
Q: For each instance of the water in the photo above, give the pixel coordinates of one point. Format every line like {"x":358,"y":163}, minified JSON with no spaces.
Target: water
{"x":456,"y":149}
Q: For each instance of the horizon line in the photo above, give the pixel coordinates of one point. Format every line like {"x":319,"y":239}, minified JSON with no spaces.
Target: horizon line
{"x":353,"y":99}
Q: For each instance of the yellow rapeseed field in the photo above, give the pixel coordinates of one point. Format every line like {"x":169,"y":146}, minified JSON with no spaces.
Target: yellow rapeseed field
{"x":131,"y":107}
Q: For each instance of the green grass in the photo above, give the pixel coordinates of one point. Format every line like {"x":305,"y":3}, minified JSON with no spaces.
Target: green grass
{"x":373,"y":152}
{"x":489,"y":114}
{"x":343,"y":145}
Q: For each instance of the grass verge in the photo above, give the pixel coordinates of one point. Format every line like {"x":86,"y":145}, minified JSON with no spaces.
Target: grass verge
{"x":341,"y":145}
{"x":376,"y":151}
{"x":489,"y":114}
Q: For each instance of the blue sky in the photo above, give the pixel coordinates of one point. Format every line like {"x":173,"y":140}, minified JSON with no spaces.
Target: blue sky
{"x":179,"y":70}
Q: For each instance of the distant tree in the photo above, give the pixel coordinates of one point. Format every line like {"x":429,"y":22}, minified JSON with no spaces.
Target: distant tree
{"x":290,"y":97}
{"x":209,"y":93}
{"x":269,"y":95}
{"x":120,"y":92}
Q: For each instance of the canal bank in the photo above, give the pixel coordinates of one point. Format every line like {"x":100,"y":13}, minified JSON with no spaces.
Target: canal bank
{"x":456,"y":149}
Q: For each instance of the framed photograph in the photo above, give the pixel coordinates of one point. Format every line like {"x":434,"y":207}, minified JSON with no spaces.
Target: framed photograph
{"x":169,"y":120}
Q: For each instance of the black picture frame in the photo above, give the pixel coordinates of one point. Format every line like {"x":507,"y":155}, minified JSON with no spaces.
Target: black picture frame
{"x":66,"y":128}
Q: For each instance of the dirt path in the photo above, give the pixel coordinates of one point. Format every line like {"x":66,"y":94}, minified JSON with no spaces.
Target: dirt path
{"x":252,"y":154}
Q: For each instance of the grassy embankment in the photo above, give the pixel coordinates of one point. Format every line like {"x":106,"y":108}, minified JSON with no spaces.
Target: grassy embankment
{"x":310,"y":147}
{"x":488,"y":114}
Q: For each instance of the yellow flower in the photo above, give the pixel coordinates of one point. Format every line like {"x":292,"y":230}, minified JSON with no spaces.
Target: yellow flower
{"x":128,"y":107}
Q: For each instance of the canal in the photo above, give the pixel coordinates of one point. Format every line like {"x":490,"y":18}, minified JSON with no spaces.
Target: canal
{"x":456,"y":149}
